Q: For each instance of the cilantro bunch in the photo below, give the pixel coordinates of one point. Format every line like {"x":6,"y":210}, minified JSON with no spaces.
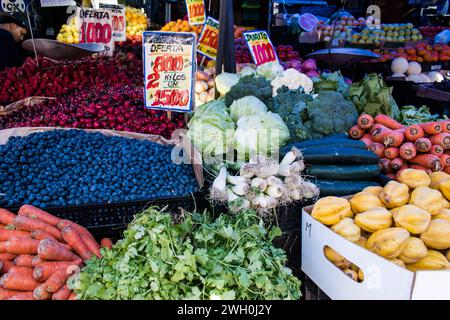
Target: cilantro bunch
{"x":231,"y":257}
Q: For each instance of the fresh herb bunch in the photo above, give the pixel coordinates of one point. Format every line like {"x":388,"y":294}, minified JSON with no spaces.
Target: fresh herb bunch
{"x":231,"y":257}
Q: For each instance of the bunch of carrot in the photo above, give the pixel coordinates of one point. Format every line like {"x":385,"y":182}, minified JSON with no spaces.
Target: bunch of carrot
{"x":39,"y":252}
{"x":424,"y":146}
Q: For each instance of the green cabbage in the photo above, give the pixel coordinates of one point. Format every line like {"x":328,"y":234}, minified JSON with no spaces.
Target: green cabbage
{"x":246,"y":106}
{"x":225,"y":81}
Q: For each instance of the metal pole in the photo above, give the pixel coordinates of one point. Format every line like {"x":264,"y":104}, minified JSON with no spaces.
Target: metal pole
{"x":226,"y":55}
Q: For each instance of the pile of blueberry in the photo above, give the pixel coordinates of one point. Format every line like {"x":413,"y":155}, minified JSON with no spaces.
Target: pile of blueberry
{"x":73,"y":167}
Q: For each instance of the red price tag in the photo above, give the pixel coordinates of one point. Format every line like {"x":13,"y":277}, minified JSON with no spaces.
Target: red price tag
{"x":260,"y":47}
{"x":209,"y":39}
{"x":196,"y":11}
{"x":96,"y":26}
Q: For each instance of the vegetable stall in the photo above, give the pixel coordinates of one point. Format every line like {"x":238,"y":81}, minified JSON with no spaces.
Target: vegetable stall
{"x":202,"y":185}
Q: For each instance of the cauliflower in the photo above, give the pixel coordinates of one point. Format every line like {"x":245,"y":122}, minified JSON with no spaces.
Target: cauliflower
{"x":292,"y":79}
{"x":270,"y":70}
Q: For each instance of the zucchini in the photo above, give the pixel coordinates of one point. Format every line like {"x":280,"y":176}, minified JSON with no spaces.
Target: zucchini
{"x":341,"y":142}
{"x":342,"y":188}
{"x":334,"y":172}
{"x":336,"y":155}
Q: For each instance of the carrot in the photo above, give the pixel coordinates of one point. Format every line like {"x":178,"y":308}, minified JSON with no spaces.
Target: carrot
{"x":62,"y":294}
{"x":22,"y":246}
{"x":418,"y":167}
{"x":73,"y":296}
{"x":355,"y":132}
{"x":407,"y":150}
{"x":445,"y":160}
{"x":24,"y":260}
{"x":37,"y":261}
{"x":431,"y":127}
{"x":44,"y":270}
{"x":72,"y":238}
{"x":3,"y":246}
{"x":393,"y":139}
{"x":378,"y":132}
{"x":447,"y":170}
{"x":19,"y":278}
{"x":6,"y":217}
{"x":5,"y":234}
{"x":365,"y":121}
{"x":397,"y":163}
{"x":40,"y":293}
{"x":87,"y":237}
{"x":56,"y":281}
{"x":49,"y":249}
{"x":423,"y":144}
{"x":106,"y":243}
{"x":367,"y":139}
{"x":23,"y":296}
{"x":436,"y":149}
{"x":6,"y":266}
{"x":442,"y":139}
{"x":386,"y":165}
{"x":36,"y":213}
{"x":30,"y":224}
{"x":378,"y":149}
{"x":391,"y":153}
{"x":388,"y":122}
{"x":429,"y":161}
{"x":414,"y":132}
{"x":7,"y":256}
{"x":445,"y":125}
{"x":40,"y":235}
{"x":6,"y":294}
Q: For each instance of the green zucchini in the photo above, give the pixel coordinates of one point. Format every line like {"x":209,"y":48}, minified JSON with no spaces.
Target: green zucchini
{"x":344,"y":143}
{"x":336,"y":155}
{"x":334,"y":172}
{"x":342,"y":188}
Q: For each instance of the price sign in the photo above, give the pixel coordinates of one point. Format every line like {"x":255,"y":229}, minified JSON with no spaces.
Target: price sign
{"x":57,"y":3}
{"x":260,"y":47}
{"x":118,"y":21}
{"x":196,"y":11}
{"x":168,"y":70}
{"x":95,"y":26}
{"x":209,"y":39}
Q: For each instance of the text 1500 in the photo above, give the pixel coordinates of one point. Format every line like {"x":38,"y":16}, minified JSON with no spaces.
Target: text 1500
{"x":171,"y":97}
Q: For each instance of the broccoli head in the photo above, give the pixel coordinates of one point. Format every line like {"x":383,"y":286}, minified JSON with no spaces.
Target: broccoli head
{"x":250,"y":86}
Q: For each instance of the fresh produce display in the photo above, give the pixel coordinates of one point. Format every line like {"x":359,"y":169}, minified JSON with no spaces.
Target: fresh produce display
{"x":74,"y":167}
{"x":403,"y":32}
{"x":431,"y":31}
{"x":243,"y":54}
{"x":204,"y":86}
{"x":40,"y":253}
{"x":136,"y":23}
{"x":411,"y":115}
{"x":231,"y":257}
{"x":331,"y":81}
{"x":69,"y":32}
{"x":116,"y":107}
{"x":342,"y":27}
{"x":263,"y":184}
{"x":402,"y":221}
{"x":182,"y":26}
{"x":421,"y":52}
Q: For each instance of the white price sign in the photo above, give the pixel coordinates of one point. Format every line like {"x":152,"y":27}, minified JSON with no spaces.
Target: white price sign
{"x":96,"y":26}
{"x":57,"y":3}
{"x":118,"y":21}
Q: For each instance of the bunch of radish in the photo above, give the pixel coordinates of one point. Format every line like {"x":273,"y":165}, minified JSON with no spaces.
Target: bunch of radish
{"x":424,"y":146}
{"x":40,"y":252}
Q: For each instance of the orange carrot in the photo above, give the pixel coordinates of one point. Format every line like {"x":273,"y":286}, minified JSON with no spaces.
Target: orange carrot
{"x":418,"y":167}
{"x":62,"y":294}
{"x":367,"y":139}
{"x":6,"y":266}
{"x":73,"y":296}
{"x":7,"y":256}
{"x":56,"y":281}
{"x":447,"y":170}
{"x":365,"y":121}
{"x":355,"y":132}
{"x":385,"y":165}
{"x":391,"y":153}
{"x":5,"y":234}
{"x":397,"y":163}
{"x":429,"y":161}
{"x":40,"y":293}
{"x":37,"y":261}
{"x":407,"y":150}
{"x":445,"y":125}
{"x":6,"y":217}
{"x":445,"y":160}
{"x":436,"y":149}
{"x":378,"y":149}
{"x":5,"y":294}
{"x":86,"y":236}
{"x":22,"y":246}
{"x":106,"y":243}
{"x":393,"y":139}
{"x":423,"y":144}
{"x":23,"y":296}
{"x":388,"y":122}
{"x":72,"y":238}
{"x":24,"y":260}
{"x":431,"y":127}
{"x":19,"y":278}
{"x":30,"y":224}
{"x":3,"y":246}
{"x":36,"y":213}
{"x":379,"y":132}
{"x":44,"y":270}
{"x":414,"y":132}
{"x":442,"y":139}
{"x":49,"y":249}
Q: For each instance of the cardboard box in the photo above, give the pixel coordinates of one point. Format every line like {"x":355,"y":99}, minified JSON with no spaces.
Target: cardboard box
{"x":383,"y":280}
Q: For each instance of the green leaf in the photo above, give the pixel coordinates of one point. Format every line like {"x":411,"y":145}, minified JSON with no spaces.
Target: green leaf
{"x":274,"y":233}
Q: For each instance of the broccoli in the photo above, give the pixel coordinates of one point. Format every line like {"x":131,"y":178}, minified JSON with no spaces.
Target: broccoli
{"x":330,"y":113}
{"x":249,"y":86}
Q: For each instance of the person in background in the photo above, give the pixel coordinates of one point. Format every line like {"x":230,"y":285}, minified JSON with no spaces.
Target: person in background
{"x":12,"y":34}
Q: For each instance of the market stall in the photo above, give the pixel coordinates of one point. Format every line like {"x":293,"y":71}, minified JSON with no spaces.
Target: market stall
{"x":204,"y":161}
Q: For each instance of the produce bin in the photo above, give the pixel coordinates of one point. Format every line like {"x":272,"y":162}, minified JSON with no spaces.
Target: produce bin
{"x":383,"y":280}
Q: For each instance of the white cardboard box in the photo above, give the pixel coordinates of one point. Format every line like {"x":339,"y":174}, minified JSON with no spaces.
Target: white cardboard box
{"x":383,"y":280}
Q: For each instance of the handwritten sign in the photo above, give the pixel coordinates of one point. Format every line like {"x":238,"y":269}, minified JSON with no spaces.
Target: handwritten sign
{"x":260,"y":47}
{"x":118,"y":21}
{"x":95,"y":26}
{"x":196,"y":11}
{"x":168,"y":70}
{"x":209,"y":39}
